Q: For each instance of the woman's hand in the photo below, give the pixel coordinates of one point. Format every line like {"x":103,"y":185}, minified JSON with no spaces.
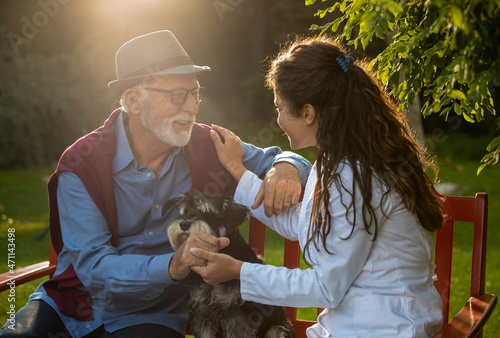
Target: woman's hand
{"x":230,"y":152}
{"x":182,"y":261}
{"x":219,"y":268}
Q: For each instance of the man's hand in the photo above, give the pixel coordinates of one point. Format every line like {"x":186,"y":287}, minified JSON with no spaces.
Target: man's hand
{"x":183,"y":260}
{"x":280,"y":189}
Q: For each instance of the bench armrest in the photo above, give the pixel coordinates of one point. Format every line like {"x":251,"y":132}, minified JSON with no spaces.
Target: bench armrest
{"x":470,"y":320}
{"x":26,"y":274}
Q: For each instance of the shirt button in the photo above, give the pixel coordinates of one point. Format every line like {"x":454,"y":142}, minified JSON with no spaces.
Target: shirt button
{"x":150,"y":233}
{"x":112,"y":306}
{"x":157,"y":207}
{"x":149,"y":175}
{"x":87,"y":326}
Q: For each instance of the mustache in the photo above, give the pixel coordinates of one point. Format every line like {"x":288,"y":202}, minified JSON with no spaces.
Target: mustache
{"x":184,"y":117}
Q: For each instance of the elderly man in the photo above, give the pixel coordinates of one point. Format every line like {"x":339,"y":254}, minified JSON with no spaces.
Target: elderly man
{"x":117,"y":275}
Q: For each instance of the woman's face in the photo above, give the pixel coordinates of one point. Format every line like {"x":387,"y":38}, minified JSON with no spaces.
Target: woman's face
{"x":301,"y":134}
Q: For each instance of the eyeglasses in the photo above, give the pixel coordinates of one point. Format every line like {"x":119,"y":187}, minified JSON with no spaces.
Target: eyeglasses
{"x":179,"y":96}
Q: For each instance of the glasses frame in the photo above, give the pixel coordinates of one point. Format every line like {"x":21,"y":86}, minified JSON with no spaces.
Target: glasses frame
{"x":186,"y":93}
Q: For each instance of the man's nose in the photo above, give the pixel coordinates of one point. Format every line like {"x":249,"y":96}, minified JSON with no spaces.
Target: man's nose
{"x":192,"y":105}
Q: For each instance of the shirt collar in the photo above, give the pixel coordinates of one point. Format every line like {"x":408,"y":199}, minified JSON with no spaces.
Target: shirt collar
{"x":123,"y":156}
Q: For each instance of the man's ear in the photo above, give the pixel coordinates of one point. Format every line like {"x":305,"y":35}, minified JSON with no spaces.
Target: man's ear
{"x":308,"y":114}
{"x":133,"y":100}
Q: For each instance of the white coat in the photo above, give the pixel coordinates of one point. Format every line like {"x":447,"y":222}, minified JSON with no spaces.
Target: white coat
{"x":380,"y":288}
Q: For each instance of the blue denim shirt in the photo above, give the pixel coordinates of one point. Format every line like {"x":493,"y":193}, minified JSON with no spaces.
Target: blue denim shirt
{"x":129,"y":284}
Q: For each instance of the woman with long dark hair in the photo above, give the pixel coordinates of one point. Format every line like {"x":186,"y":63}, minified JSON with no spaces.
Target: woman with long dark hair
{"x":366,"y":220}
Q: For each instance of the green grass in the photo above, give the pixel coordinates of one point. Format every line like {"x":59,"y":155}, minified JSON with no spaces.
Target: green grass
{"x":23,"y":206}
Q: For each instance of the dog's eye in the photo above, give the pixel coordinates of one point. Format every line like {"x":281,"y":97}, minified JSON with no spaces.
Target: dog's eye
{"x":212,"y":218}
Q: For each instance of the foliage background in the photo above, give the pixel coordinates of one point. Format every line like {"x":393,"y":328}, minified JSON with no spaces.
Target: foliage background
{"x":445,"y":51}
{"x":57,"y":57}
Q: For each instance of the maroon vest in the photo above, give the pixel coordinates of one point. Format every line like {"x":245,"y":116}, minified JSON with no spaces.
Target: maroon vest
{"x":91,"y":159}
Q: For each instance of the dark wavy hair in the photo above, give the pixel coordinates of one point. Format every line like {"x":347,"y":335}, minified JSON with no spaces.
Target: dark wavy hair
{"x":359,"y":124}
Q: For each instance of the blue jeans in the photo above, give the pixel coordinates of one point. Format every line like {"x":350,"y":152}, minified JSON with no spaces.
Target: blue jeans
{"x":38,"y":319}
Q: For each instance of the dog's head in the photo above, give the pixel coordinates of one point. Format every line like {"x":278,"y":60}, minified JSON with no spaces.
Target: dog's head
{"x":218,"y":215}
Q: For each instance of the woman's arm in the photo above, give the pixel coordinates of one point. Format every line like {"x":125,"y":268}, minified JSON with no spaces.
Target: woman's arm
{"x":331,"y":276}
{"x":285,"y":172}
{"x":230,"y":152}
{"x":286,"y":224}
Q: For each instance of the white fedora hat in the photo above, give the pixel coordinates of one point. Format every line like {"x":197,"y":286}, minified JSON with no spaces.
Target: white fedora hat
{"x":153,"y":54}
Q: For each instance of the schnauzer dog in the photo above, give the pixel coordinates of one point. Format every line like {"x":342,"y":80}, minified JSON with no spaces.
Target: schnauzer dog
{"x":219,"y":311}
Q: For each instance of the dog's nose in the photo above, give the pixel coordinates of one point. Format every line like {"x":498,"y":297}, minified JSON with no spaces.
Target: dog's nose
{"x":185,"y":225}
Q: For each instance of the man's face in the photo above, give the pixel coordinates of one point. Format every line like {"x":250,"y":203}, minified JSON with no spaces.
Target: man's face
{"x":170,"y":122}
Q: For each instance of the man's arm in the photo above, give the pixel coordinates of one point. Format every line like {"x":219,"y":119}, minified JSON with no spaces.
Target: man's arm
{"x":98,"y":264}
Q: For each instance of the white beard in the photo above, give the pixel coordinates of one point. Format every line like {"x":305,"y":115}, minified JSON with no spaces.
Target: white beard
{"x":163,"y":127}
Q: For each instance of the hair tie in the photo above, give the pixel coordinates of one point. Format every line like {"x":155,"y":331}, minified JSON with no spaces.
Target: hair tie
{"x":344,"y":62}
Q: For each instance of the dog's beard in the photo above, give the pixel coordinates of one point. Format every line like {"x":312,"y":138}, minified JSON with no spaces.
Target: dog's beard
{"x":163,"y":127}
{"x":177,"y":236}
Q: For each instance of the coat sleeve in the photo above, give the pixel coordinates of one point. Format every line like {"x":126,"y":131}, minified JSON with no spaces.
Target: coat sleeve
{"x":260,"y":160}
{"x":332,"y":273}
{"x":285,"y":224}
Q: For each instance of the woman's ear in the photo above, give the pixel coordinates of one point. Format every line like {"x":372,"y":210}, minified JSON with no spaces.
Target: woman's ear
{"x":308,"y":114}
{"x":133,"y":100}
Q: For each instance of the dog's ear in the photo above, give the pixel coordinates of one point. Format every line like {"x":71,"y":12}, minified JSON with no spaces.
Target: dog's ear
{"x":171,"y":203}
{"x":235,"y":213}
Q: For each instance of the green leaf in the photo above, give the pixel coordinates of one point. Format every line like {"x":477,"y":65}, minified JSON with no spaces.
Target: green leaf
{"x":457,"y":108}
{"x":429,"y":69}
{"x":469,"y":118}
{"x":379,"y":32}
{"x":347,"y":32}
{"x":494,"y":144}
{"x":493,"y":156}
{"x":411,"y":97}
{"x":394,"y":7}
{"x":310,"y":2}
{"x":395,"y":78}
{"x":357,"y":5}
{"x":335,"y":25}
{"x":457,"y":16}
{"x":457,"y":94}
{"x":365,"y":40}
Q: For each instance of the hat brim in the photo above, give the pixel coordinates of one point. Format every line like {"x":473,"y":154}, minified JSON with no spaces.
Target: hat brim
{"x":119,"y":86}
